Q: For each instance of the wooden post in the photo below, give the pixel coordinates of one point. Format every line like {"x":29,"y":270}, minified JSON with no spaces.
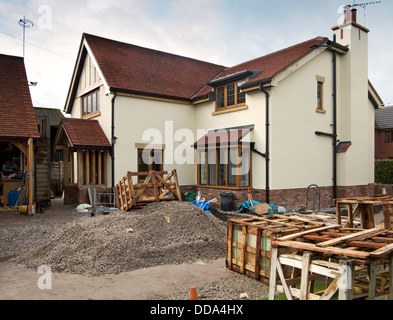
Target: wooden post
{"x":390,"y":294}
{"x":99,"y":171}
{"x":229,"y":245}
{"x":66,"y":162}
{"x":350,"y":216}
{"x":93,"y":168}
{"x":386,"y":215}
{"x":243,"y":249}
{"x":304,"y":282}
{"x":372,"y":280}
{"x":80,"y":168}
{"x":345,"y":291}
{"x":30,"y":173}
{"x":87,"y":167}
{"x":338,"y":213}
{"x":258,"y":253}
{"x":273,"y":273}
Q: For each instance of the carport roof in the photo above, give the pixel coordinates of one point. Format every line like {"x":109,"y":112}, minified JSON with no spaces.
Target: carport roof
{"x":17,"y":115}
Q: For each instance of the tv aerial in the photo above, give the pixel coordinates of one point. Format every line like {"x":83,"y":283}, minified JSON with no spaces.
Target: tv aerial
{"x":25,"y":23}
{"x":364,"y":5}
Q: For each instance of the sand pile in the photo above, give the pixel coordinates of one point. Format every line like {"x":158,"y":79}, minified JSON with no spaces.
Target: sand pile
{"x":161,"y":233}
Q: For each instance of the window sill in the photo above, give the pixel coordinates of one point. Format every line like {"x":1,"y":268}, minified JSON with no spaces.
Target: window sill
{"x":227,"y":110}
{"x":320,"y":110}
{"x":92,"y":115}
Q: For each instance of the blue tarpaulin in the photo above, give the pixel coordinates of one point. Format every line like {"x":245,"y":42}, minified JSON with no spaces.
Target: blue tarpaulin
{"x":246,"y":205}
{"x":204,"y":205}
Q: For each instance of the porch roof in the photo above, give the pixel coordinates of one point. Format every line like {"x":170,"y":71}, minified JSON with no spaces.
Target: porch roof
{"x":83,"y":133}
{"x":223,"y":137}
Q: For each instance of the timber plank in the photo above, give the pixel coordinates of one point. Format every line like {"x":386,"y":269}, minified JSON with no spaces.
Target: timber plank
{"x":362,"y":235}
{"x":297,"y":235}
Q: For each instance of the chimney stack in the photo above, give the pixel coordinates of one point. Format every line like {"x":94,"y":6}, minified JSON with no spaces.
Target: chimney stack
{"x":349,"y":14}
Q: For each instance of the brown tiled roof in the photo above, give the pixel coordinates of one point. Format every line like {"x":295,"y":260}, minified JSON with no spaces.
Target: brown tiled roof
{"x":141,"y":70}
{"x":17,"y":117}
{"x":270,"y":65}
{"x":85,"y":133}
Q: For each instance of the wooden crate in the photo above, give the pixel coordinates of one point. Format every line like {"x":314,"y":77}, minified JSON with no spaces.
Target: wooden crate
{"x":359,"y":261}
{"x":249,"y":241}
{"x":158,"y":186}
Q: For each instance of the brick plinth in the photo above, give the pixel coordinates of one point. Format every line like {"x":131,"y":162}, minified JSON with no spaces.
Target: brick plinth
{"x":289,"y":198}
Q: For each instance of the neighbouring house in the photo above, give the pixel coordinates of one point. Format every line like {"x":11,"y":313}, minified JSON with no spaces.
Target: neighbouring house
{"x":273,"y":125}
{"x":49,"y":169}
{"x":384,"y":133}
{"x":18,"y":133}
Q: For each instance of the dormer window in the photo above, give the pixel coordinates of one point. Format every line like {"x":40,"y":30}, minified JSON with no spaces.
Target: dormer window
{"x":229,"y":96}
{"x":91,"y":102}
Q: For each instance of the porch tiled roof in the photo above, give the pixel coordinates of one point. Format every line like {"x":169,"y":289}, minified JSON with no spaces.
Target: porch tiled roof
{"x":17,"y":117}
{"x":223,"y":137}
{"x":85,"y":133}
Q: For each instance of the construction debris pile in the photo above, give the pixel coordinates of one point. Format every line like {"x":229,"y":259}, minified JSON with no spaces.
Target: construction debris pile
{"x":161,"y":233}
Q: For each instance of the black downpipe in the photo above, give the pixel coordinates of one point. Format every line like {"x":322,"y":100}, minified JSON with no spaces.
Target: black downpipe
{"x":113,"y":138}
{"x":334,"y":121}
{"x":267,"y":155}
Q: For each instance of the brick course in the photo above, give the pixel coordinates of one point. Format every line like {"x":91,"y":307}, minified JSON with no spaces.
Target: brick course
{"x":289,"y":198}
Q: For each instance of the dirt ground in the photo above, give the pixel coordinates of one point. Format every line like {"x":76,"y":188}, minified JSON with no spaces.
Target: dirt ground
{"x":21,"y":234}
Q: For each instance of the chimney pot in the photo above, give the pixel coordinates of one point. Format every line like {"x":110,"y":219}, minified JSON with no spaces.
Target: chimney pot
{"x":353,"y":15}
{"x":347,"y":13}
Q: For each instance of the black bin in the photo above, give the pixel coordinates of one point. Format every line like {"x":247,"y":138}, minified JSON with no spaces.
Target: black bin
{"x":226,"y":201}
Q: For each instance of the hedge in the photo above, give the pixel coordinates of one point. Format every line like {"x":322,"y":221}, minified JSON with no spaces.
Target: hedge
{"x":384,"y":171}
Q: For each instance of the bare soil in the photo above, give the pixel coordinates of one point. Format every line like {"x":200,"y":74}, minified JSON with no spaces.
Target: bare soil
{"x":155,"y":253}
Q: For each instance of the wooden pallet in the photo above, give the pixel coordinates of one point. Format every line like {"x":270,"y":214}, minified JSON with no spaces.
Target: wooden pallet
{"x":158,"y":186}
{"x":349,"y":256}
{"x":364,"y":207}
{"x":249,"y":241}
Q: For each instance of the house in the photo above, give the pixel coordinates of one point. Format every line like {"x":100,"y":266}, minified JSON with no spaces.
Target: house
{"x":18,"y":131}
{"x":272,"y":126}
{"x":384,"y":133}
{"x":48,"y":122}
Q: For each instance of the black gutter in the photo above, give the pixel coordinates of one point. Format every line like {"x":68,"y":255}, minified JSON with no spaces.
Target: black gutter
{"x":267,"y":154}
{"x":151,"y":94}
{"x":113,"y":138}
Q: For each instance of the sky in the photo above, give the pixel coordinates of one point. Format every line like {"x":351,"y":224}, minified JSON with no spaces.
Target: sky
{"x":225,"y":32}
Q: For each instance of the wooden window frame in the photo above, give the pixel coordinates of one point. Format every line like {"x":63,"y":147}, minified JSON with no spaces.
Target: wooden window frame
{"x":320,"y":94}
{"x":227,"y":165}
{"x":388,"y":136}
{"x":93,"y":96}
{"x":150,"y":164}
{"x":236,"y":97}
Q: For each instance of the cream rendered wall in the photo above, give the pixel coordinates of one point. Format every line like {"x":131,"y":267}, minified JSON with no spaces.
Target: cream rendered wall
{"x":298,"y":156}
{"x":134,"y":116}
{"x":253,"y":115}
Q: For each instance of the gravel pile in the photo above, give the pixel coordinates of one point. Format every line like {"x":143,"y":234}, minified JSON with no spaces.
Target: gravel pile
{"x":235,"y":287}
{"x":161,"y":233}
